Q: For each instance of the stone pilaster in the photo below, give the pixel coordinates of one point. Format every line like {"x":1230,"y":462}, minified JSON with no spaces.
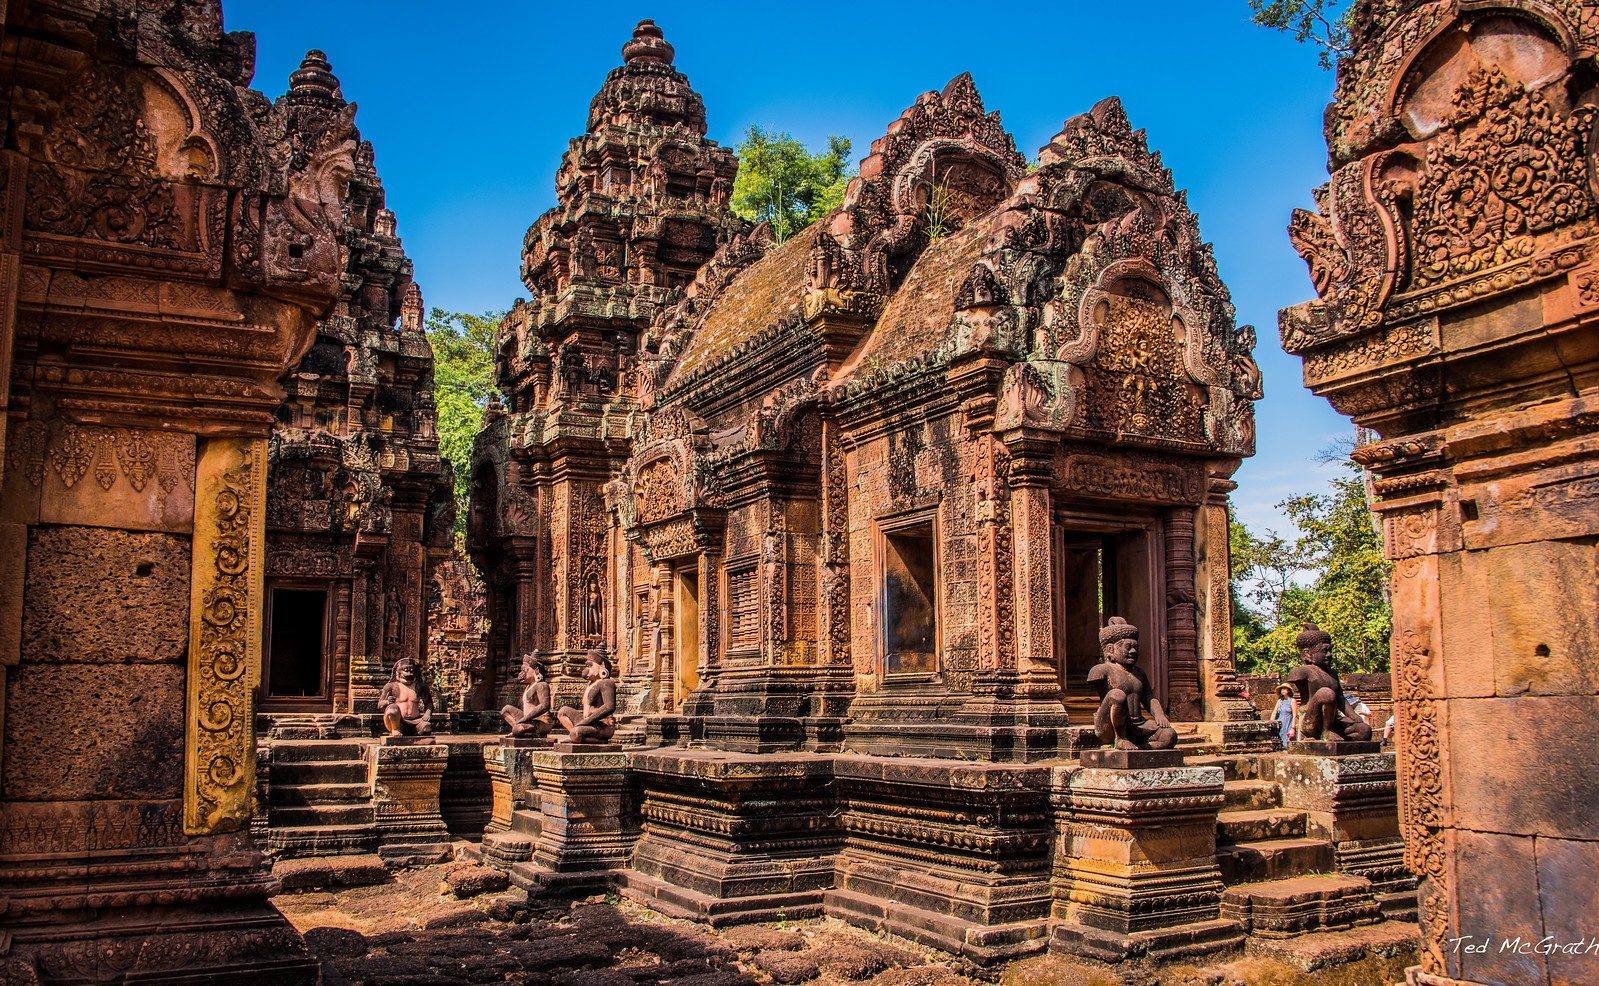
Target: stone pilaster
{"x":1015,"y":712}
{"x":225,"y":604}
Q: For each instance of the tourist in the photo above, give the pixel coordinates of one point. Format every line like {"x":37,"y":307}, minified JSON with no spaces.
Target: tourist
{"x":1388,"y":731}
{"x":1357,"y":707}
{"x":1287,"y":712}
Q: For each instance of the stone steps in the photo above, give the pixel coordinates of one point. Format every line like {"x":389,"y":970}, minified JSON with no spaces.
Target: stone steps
{"x":323,"y":840}
{"x":1256,"y":825}
{"x":316,"y":751}
{"x":1234,"y":768}
{"x":1273,"y":859}
{"x":1251,"y":795}
{"x":1286,"y":908}
{"x":306,"y":816}
{"x":1324,"y":949}
{"x":527,"y":822}
{"x":299,"y":795}
{"x":319,"y":800}
{"x":306,"y":773}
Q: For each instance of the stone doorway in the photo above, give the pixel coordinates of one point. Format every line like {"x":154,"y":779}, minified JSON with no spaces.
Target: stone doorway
{"x":687,"y":644}
{"x":1105,"y":567}
{"x":297,"y":672}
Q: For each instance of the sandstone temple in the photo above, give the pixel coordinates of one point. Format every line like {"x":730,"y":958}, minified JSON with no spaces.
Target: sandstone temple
{"x":879,"y":573}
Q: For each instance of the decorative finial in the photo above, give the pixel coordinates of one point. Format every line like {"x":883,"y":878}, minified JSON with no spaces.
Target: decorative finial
{"x":314,"y":73}
{"x":649,"y":45}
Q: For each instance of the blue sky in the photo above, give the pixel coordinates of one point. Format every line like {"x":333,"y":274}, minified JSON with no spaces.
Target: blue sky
{"x":470,"y":107}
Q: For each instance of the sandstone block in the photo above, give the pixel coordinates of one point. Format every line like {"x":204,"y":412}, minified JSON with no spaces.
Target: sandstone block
{"x":75,"y":731}
{"x":96,"y":595}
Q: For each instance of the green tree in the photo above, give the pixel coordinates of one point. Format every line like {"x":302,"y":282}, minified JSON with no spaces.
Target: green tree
{"x":1324,"y":23}
{"x":463,"y":381}
{"x":781,"y":183}
{"x":1333,"y":574}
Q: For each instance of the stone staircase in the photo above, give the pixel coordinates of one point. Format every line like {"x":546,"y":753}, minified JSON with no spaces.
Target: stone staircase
{"x":1283,"y":882}
{"x":506,"y":850}
{"x":319,"y":799}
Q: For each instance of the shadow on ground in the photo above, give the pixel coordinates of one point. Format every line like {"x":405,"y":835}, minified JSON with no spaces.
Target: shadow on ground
{"x":413,"y":930}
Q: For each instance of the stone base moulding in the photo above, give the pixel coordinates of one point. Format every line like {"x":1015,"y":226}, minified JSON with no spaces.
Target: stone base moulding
{"x":733,"y":838}
{"x":1135,"y":872}
{"x":913,"y":864}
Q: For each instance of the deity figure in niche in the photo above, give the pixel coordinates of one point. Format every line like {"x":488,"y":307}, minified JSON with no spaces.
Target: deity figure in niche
{"x":591,"y":621}
{"x":1124,"y":693}
{"x":533,"y":718}
{"x":1323,"y":711}
{"x":593,"y":724}
{"x":406,"y":701}
{"x":391,"y":619}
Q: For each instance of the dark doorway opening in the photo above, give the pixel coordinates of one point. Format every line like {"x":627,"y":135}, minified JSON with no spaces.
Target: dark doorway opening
{"x":297,"y":642}
{"x":1100,"y":574}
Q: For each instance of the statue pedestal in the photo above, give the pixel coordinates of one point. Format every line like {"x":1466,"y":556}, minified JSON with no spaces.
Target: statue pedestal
{"x":405,"y":800}
{"x":734,"y":836}
{"x":1130,"y":759}
{"x":1333,"y":748}
{"x":585,"y":827}
{"x":1352,"y":801}
{"x":1135,"y":867}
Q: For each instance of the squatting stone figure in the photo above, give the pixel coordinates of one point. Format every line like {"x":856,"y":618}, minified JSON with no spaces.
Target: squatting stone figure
{"x":1124,"y":693}
{"x":593,"y":724}
{"x":1323,"y":712}
{"x":406,"y":701}
{"x":533,"y":718}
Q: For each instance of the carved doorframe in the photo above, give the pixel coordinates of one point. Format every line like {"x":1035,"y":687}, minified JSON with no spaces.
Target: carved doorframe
{"x":1150,"y":616}
{"x":322,"y":702}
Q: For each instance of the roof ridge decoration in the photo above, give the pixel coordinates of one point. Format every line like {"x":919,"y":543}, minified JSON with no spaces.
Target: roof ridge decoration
{"x":946,"y":144}
{"x":1096,"y":281}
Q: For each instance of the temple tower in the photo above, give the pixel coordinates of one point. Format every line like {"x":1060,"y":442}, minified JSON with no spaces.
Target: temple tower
{"x":642,"y":205}
{"x":359,"y":503}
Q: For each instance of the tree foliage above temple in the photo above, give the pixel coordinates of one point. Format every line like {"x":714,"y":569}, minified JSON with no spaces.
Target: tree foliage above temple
{"x":1332,"y":574}
{"x":781,"y":183}
{"x":463,"y":381}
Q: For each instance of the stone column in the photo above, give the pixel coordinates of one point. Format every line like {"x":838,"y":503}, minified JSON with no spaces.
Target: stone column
{"x":709,"y":576}
{"x":1035,"y":622}
{"x":1182,"y":632}
{"x":343,"y":635}
{"x":363,"y":665}
{"x":1135,"y":872}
